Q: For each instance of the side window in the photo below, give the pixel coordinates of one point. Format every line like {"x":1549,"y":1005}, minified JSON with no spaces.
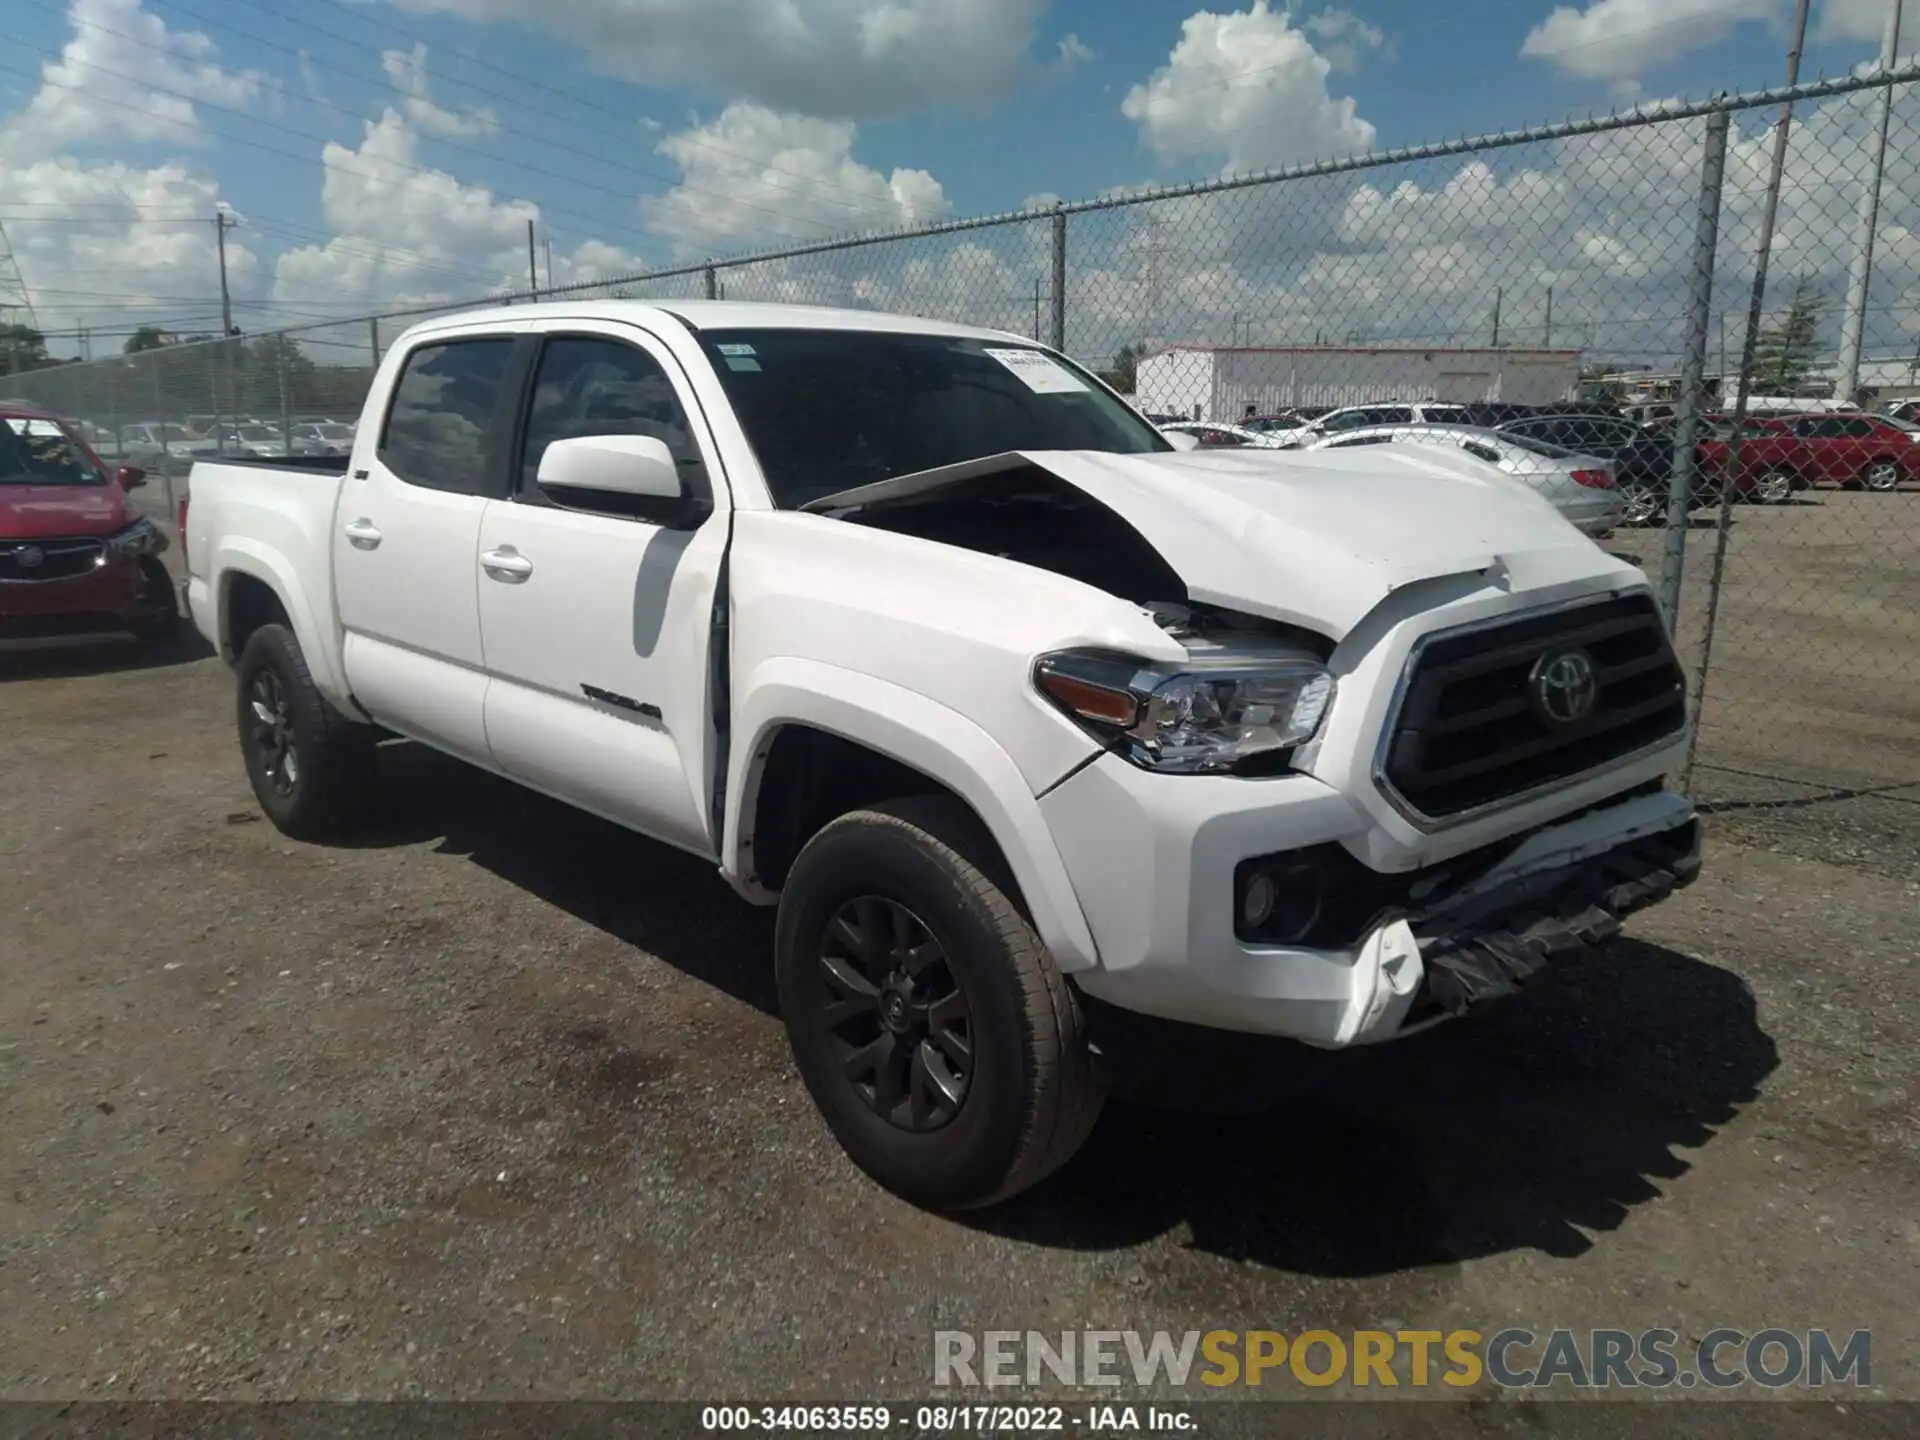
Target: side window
{"x":588,"y":386}
{"x":1857,"y":429}
{"x":441,"y":421}
{"x":1391,"y":415}
{"x":1344,"y":420}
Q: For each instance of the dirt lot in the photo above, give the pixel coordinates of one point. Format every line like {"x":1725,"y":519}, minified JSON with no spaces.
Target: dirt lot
{"x":496,"y":1104}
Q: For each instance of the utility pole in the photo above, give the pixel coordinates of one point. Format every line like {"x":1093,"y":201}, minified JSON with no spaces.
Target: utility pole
{"x":548,"y":242}
{"x":1546,"y":340}
{"x":533,"y":276}
{"x":1499,"y":294}
{"x":1853,"y":319}
{"x":222,"y":222}
{"x":1036,"y":309}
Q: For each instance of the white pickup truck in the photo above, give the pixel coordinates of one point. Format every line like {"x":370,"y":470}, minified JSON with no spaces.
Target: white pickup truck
{"x":1020,"y":713}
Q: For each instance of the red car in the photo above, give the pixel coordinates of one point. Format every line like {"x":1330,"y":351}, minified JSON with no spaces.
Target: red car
{"x":75,"y":561}
{"x":1856,"y":450}
{"x":1774,"y":462}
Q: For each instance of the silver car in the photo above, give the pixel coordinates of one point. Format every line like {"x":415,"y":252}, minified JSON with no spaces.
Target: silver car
{"x":1579,"y":486}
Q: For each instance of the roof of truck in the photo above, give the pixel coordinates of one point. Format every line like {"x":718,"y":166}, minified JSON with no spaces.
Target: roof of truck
{"x":719,"y":315}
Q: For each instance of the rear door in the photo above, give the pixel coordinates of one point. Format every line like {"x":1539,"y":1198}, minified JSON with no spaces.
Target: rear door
{"x":408,"y":529}
{"x":596,"y":616}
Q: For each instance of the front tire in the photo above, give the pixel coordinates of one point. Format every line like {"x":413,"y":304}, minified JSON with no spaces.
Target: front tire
{"x":164,"y":623}
{"x":1773,"y":487}
{"x":928,"y":1021}
{"x":310,"y":767}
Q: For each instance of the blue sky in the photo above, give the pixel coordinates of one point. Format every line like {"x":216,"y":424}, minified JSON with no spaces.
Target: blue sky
{"x":638,"y":132}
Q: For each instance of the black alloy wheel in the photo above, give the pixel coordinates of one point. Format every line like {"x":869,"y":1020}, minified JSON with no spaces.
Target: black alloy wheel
{"x":896,"y":1013}
{"x":270,"y":732}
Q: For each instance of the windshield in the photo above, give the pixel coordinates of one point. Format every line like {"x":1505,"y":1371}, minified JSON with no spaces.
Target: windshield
{"x":258,"y":432}
{"x":1538,"y":447}
{"x":333,"y":432}
{"x":829,"y":410}
{"x":39,"y":452}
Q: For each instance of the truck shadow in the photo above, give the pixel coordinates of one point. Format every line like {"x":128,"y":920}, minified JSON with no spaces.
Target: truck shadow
{"x":1532,"y":1128}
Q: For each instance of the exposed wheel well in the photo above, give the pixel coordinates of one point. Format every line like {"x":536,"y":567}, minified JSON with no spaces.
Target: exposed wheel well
{"x":812,"y":777}
{"x":251,"y":603}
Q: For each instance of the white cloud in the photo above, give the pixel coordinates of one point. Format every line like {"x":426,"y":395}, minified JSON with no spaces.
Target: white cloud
{"x":94,"y":241}
{"x":1847,"y":20}
{"x":840,"y":58}
{"x":1073,"y":52}
{"x":1618,"y":39}
{"x":754,"y":176}
{"x":97,"y":89}
{"x":407,"y":70}
{"x":402,"y":233}
{"x":1343,"y":37}
{"x":1248,"y":86}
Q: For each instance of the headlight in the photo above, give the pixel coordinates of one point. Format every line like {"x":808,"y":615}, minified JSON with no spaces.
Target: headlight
{"x":142,"y":537}
{"x":1201,"y":718}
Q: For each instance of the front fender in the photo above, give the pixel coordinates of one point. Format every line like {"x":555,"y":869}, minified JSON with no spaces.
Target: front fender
{"x":925,"y":735}
{"x":311,"y":616}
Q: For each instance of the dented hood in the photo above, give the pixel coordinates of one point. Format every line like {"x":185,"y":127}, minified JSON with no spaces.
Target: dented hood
{"x":1312,"y":538}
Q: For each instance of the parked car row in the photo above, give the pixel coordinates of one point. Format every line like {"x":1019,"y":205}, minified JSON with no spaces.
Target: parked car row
{"x":163,"y":444}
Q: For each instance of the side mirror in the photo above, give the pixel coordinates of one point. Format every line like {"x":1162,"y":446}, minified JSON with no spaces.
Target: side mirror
{"x":636,"y":465}
{"x":130,"y":477}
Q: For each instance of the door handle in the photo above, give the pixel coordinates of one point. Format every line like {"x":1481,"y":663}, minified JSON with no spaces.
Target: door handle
{"x":507,"y":565}
{"x":362,"y":534}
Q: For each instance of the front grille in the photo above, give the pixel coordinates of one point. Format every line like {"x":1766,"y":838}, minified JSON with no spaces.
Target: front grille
{"x":29,"y":561}
{"x":1471,"y":730}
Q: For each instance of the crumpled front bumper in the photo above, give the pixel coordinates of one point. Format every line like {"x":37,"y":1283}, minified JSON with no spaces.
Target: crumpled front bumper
{"x":1432,"y":943}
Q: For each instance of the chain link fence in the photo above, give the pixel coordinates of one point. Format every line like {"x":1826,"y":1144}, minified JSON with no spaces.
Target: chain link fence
{"x":1583,"y":289}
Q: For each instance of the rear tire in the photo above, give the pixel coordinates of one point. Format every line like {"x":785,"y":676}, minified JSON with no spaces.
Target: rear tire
{"x":1644,"y":505}
{"x":1882,"y":476}
{"x":941,"y":1044}
{"x":1772,"y":487}
{"x":311,"y":768}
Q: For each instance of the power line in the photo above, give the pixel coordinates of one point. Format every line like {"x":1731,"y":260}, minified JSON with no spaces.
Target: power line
{"x":306,"y":158}
{"x":521,"y":82}
{"x":620,"y":194}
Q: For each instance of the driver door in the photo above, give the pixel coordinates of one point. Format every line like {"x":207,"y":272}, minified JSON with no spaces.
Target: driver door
{"x":596,"y":621}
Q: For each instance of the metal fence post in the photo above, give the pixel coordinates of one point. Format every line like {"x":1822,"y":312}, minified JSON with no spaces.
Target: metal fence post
{"x":713,"y":284}
{"x":1693,"y":364}
{"x":286,"y":401}
{"x":1057,"y":331}
{"x":373,"y":338}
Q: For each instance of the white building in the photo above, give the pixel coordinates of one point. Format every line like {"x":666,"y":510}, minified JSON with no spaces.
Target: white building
{"x":1221,"y":382}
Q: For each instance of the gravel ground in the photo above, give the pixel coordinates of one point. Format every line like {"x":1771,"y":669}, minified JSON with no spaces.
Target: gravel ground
{"x":495,"y":1105}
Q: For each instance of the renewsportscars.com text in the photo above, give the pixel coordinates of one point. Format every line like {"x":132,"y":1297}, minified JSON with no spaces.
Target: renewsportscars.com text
{"x":1512,"y":1358}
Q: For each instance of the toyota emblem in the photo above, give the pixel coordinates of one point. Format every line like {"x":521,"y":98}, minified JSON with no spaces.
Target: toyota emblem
{"x":29,"y":557}
{"x":1564,"y":686}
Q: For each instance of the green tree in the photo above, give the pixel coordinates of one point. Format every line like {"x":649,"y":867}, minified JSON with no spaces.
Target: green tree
{"x":262,"y":366}
{"x":22,"y":348}
{"x":147,"y":337}
{"x":1784,"y":354}
{"x":1122,"y":371}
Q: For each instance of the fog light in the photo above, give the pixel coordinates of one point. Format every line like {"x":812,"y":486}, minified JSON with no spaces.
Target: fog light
{"x":1256,"y":906}
{"x":1280,"y":902}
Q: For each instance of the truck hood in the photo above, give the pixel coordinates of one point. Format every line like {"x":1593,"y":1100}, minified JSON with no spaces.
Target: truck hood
{"x":45,"y":512}
{"x":1315,"y":538}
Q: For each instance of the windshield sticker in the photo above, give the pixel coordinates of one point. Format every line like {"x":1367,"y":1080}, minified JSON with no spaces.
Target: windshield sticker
{"x":1039,"y":372}
{"x":734,"y":349}
{"x":742,"y":362}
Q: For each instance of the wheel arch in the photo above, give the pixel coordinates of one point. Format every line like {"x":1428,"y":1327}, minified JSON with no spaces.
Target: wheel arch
{"x":254,"y":587}
{"x":880,"y":741}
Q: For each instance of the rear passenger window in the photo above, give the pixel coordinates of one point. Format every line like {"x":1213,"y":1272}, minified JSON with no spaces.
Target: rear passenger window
{"x":440,"y":427}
